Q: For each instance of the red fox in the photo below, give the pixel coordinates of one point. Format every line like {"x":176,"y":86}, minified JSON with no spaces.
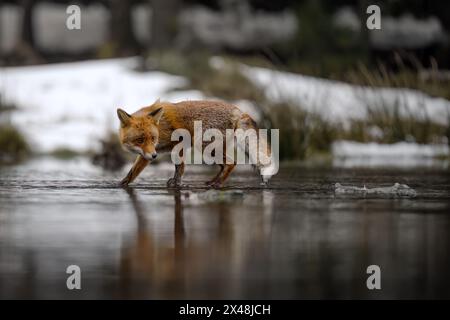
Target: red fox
{"x":148,"y":132}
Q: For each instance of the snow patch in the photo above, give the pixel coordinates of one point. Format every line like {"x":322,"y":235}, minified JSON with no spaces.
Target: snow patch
{"x":397,"y":150}
{"x":73,"y":105}
{"x":339,"y":102}
{"x":401,"y":154}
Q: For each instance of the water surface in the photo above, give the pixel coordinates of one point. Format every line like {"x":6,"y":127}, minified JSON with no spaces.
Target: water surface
{"x":294,"y":239}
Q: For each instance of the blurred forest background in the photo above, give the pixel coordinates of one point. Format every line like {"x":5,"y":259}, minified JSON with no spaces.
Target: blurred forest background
{"x":222,"y":48}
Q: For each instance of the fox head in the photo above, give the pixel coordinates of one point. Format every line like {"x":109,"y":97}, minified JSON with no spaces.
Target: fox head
{"x":140,"y":133}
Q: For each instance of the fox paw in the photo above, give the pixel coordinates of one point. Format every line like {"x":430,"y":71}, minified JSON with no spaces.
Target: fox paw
{"x":124,"y":183}
{"x":211,"y":182}
{"x":214,"y":184}
{"x":173,"y":183}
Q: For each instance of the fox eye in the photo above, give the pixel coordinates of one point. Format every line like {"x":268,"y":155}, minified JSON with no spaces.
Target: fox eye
{"x":153,"y":139}
{"x":139,"y":140}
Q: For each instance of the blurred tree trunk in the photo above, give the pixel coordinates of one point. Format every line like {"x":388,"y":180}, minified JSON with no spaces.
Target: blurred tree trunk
{"x":122,"y":34}
{"x":1,"y":46}
{"x":26,"y":48}
{"x":163,"y":23}
{"x":27,"y":35}
{"x":365,"y":38}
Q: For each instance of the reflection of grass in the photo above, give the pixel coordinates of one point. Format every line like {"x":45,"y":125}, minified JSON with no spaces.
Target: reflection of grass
{"x":13,"y":146}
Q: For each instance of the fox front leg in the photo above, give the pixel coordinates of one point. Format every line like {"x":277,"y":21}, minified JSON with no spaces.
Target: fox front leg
{"x":176,"y":180}
{"x":139,"y":164}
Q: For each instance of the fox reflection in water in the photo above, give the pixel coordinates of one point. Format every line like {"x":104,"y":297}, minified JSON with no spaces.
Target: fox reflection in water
{"x":288,"y":241}
{"x":185,"y":267}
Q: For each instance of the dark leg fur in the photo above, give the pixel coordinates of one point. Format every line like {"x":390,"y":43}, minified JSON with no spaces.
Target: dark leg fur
{"x":176,"y":180}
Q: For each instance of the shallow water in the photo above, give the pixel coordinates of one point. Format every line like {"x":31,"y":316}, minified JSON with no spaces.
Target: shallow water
{"x":293,"y":239}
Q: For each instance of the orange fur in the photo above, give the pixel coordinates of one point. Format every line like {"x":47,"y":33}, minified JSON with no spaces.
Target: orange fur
{"x":147,"y":134}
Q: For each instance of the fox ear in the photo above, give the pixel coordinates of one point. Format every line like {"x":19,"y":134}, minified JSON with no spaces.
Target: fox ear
{"x":123,"y":117}
{"x":156,"y":114}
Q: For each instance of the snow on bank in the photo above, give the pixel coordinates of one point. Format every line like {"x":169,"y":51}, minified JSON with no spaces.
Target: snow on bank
{"x":72,"y":105}
{"x":402,"y":154}
{"x":338,"y":101}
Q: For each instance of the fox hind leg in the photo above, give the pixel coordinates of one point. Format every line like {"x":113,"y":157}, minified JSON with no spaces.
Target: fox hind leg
{"x":215,"y":179}
{"x":224,"y":175}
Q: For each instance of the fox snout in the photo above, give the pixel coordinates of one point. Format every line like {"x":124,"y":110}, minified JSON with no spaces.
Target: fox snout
{"x":150,"y":156}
